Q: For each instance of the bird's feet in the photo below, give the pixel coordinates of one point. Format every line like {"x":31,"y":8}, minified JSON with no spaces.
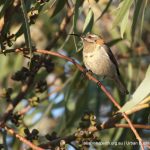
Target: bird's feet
{"x":84,"y":72}
{"x":99,"y":84}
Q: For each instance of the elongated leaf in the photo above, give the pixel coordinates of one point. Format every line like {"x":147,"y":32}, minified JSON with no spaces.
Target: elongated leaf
{"x":88,"y":22}
{"x":20,"y":31}
{"x":59,"y":6}
{"x":136,"y":16}
{"x":119,"y":132}
{"x":113,"y":42}
{"x":105,"y":10}
{"x":76,"y":14}
{"x":145,"y":4}
{"x":125,"y":6}
{"x":6,"y":5}
{"x":142,"y":91}
{"x":75,"y":19}
{"x":26,"y":28}
{"x":124,"y":23}
{"x":21,"y":28}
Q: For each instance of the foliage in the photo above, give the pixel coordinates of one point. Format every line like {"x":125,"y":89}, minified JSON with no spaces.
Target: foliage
{"x":46,"y":99}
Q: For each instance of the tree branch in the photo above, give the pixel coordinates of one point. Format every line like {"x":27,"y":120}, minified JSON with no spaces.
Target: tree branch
{"x":100,"y":85}
{"x":21,"y":138}
{"x":90,"y":77}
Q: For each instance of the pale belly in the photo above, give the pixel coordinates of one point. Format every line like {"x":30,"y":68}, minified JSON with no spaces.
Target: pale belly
{"x":98,"y":62}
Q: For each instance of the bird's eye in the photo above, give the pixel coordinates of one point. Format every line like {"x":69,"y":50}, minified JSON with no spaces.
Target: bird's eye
{"x":89,"y":36}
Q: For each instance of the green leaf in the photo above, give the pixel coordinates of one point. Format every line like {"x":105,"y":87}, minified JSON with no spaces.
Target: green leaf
{"x":123,"y":8}
{"x":145,"y":4}
{"x":75,"y":19}
{"x":136,"y":16}
{"x":76,"y":14}
{"x":104,"y":11}
{"x":141,"y":92}
{"x":26,"y":28}
{"x":124,"y":23}
{"x":88,"y":22}
{"x":6,"y":5}
{"x":113,"y":42}
{"x":4,"y":64}
{"x":119,"y":132}
{"x":20,"y":31}
{"x":59,"y":6}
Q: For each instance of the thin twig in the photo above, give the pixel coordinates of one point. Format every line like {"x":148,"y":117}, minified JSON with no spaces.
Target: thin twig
{"x":96,"y":81}
{"x":137,"y":126}
{"x":24,"y":110}
{"x":21,"y":138}
{"x":100,"y":85}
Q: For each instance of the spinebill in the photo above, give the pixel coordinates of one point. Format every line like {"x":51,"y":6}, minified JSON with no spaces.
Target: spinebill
{"x":99,"y":59}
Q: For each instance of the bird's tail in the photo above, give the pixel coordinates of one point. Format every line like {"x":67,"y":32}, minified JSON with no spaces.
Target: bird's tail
{"x":121,"y":86}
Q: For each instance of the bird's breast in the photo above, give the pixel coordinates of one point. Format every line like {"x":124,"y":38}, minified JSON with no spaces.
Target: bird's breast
{"x":97,"y":60}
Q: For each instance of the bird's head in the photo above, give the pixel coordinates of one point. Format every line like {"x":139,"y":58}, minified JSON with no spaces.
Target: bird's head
{"x":93,"y":38}
{"x":90,"y":38}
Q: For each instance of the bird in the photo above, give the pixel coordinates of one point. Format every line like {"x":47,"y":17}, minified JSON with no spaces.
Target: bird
{"x":99,"y":59}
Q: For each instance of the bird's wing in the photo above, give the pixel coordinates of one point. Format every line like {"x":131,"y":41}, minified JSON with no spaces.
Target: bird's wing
{"x":112,"y":57}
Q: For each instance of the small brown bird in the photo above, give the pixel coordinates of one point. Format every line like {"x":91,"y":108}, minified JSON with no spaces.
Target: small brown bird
{"x":99,"y":59}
